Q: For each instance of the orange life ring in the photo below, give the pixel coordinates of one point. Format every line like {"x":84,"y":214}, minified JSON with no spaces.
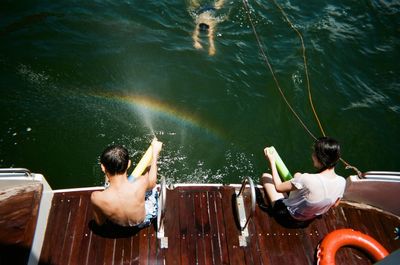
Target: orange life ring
{"x":348,"y":237}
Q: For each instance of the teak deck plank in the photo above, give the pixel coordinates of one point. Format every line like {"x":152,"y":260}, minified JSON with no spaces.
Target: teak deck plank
{"x":128,"y":245}
{"x":18,"y":217}
{"x":72,"y":226}
{"x":56,"y":233}
{"x":83,"y":235}
{"x":216,"y":230}
{"x":261,"y":225}
{"x":153,"y":245}
{"x":79,"y":233}
{"x":186,"y":217}
{"x":135,"y":249}
{"x":222,"y":241}
{"x":171,"y":229}
{"x":351,"y":254}
{"x":236,"y":254}
{"x":201,"y":229}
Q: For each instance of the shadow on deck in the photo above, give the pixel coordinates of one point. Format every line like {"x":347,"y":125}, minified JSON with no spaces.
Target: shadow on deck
{"x":201,"y":229}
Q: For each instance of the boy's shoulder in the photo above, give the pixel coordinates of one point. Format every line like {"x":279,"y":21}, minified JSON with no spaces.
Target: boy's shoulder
{"x":96,"y":197}
{"x":101,"y":197}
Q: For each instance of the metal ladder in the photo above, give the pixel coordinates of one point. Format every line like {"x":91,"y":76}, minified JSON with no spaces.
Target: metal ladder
{"x":241,"y":210}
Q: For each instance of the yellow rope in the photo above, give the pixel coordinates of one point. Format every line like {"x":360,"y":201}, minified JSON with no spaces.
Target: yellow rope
{"x":347,"y":165}
{"x":305,"y":66}
{"x":273,"y":73}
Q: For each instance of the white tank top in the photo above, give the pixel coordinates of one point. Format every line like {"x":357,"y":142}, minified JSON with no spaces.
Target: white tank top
{"x":314,"y":195}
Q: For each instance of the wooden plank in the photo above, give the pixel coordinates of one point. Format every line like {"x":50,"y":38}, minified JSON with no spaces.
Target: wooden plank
{"x":97,"y":248}
{"x":55,"y":230}
{"x":18,"y":216}
{"x":126,"y":245}
{"x":109,"y":250}
{"x":172,"y":231}
{"x":135,"y":249}
{"x":70,"y":228}
{"x":349,"y":254}
{"x":308,"y":255}
{"x":323,"y":225}
{"x":370,"y":221}
{"x":144,"y":246}
{"x":310,"y":238}
{"x":262,"y":227}
{"x":119,"y":251}
{"x":346,"y":255}
{"x":188,"y":232}
{"x":31,"y":225}
{"x":235,"y":252}
{"x":251,"y":250}
{"x":16,"y":209}
{"x":184,"y":224}
{"x":85,"y":245}
{"x":388,"y":224}
{"x":221,"y":229}
{"x":376,"y":229}
{"x":80,"y":233}
{"x":222,"y":240}
{"x":198,"y":229}
{"x":280,"y":241}
{"x":153,"y":246}
{"x":209,"y":258}
{"x":96,"y":242}
{"x":275,"y":243}
{"x":215,"y":228}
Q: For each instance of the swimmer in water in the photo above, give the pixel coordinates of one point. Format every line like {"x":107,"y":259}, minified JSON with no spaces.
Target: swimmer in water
{"x":205,"y":22}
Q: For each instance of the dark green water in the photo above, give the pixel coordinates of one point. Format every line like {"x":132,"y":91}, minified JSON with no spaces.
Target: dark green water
{"x":76,"y":76}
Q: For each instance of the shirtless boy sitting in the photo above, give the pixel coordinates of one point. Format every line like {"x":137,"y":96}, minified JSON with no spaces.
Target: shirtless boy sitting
{"x":126,"y":202}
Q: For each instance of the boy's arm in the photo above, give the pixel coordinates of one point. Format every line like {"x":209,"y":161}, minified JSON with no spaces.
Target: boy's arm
{"x":211,"y":50}
{"x":99,"y":217}
{"x":279,"y":185}
{"x":156,"y":145}
{"x":196,"y":40}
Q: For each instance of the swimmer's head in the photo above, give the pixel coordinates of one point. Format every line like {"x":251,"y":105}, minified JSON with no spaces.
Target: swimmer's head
{"x":203,"y":27}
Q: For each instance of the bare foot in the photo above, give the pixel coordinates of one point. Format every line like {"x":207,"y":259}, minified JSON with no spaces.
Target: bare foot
{"x":197,"y":45}
{"x":211,"y":51}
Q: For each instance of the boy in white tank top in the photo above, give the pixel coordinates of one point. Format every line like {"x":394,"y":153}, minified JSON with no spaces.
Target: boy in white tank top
{"x":310,"y":195}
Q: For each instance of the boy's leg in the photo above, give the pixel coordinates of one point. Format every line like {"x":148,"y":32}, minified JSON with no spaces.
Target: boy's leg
{"x":151,"y":207}
{"x":218,"y":4}
{"x":211,"y":49}
{"x":194,"y":4}
{"x":273,"y":195}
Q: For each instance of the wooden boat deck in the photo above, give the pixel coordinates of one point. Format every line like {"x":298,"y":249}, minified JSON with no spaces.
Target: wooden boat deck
{"x":201,"y":229}
{"x":19,"y":206}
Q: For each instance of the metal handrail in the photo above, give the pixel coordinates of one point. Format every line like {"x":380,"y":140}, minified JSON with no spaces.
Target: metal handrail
{"x":161,"y":204}
{"x":253,"y":199}
{"x":161,"y":214}
{"x":15,"y":172}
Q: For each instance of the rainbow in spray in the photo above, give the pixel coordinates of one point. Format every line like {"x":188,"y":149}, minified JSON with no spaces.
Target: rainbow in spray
{"x":166,"y":109}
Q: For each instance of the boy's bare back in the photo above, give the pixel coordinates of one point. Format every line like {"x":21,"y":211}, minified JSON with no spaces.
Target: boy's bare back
{"x":123,"y":205}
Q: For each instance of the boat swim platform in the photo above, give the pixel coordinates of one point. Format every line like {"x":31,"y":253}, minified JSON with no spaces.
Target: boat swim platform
{"x":201,"y":228}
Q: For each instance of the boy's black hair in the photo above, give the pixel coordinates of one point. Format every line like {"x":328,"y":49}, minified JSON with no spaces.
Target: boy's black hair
{"x":204,"y":27}
{"x":115,"y":159}
{"x":327,"y":151}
